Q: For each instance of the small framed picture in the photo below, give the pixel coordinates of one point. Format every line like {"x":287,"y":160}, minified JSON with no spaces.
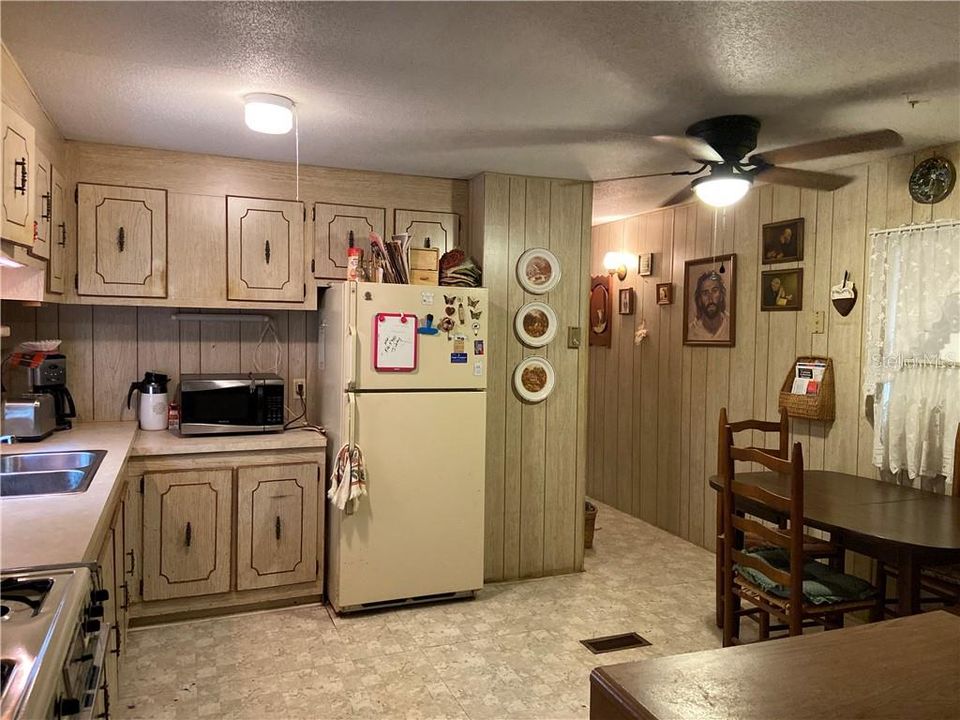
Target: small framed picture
{"x":664,"y":293}
{"x":600,"y":303}
{"x":781,"y":289}
{"x":710,"y":301}
{"x":782,"y":242}
{"x":627,"y":300}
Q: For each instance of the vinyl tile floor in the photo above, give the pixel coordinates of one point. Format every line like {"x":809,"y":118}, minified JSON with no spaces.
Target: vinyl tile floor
{"x":513,"y":652}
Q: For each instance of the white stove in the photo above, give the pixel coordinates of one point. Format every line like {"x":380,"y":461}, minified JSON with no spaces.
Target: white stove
{"x":53,"y":644}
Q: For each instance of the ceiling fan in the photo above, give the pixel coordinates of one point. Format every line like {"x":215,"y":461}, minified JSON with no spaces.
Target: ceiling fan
{"x":723,"y":145}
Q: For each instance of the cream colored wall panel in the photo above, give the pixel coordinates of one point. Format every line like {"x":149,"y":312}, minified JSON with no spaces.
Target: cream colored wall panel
{"x":265,"y":259}
{"x":442,"y":229}
{"x":121,"y":241}
{"x":332,"y":225}
{"x":18,"y":161}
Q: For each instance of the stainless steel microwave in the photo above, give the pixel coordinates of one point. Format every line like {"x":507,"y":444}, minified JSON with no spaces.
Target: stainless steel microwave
{"x":213,"y":404}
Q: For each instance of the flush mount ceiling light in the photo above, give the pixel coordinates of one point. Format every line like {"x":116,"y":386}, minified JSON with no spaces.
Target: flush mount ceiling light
{"x":722,"y":187}
{"x":266,"y":113}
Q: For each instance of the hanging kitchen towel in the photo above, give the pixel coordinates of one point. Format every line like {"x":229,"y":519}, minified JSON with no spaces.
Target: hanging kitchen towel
{"x":348,"y":483}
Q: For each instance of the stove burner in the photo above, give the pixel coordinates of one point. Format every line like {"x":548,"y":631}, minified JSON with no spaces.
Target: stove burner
{"x":23,"y":594}
{"x":6,"y":670}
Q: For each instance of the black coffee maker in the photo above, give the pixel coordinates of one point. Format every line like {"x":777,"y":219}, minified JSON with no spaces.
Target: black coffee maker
{"x":50,"y":377}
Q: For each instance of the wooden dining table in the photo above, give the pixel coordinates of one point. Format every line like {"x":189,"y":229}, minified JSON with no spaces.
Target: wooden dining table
{"x":900,"y":526}
{"x":903,"y":668}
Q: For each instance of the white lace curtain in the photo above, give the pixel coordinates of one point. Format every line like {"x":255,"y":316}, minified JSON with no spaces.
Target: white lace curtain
{"x":913,"y":352}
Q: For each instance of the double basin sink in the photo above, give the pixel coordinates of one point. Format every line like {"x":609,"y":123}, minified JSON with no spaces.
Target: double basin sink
{"x":48,"y":473}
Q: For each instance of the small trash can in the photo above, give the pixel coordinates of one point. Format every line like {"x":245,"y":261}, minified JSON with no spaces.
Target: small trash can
{"x":589,"y":523}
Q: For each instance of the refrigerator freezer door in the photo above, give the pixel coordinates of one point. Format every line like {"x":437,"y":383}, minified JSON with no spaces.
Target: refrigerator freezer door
{"x":454,"y":360}
{"x":419,"y":530}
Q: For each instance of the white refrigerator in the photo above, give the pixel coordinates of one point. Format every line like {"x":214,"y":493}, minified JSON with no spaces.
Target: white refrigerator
{"x":404,"y":377}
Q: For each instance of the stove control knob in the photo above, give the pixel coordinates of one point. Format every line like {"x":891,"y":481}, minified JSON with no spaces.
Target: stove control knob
{"x":69,"y":706}
{"x":91,"y":626}
{"x":99,"y":596}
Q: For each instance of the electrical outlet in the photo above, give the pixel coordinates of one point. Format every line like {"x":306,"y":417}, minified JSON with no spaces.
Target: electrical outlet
{"x":300,"y":387}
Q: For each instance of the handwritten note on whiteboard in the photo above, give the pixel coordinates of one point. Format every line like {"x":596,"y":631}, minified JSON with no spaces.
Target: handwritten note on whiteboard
{"x":395,"y":342}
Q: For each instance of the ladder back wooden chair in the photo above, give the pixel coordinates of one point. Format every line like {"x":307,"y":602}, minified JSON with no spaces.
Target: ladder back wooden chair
{"x":780,"y":580}
{"x":781,"y":429}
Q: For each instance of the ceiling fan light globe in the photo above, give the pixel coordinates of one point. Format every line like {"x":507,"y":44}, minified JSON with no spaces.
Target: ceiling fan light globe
{"x":269,"y":114}
{"x":721,"y":191}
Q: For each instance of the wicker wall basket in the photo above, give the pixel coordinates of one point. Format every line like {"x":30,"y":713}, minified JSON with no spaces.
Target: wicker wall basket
{"x":822,"y":406}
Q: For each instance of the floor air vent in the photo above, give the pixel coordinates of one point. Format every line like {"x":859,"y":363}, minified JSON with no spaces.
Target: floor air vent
{"x":612,"y":643}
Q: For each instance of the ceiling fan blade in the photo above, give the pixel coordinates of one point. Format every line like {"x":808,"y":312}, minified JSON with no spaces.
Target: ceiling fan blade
{"x":847,"y":145}
{"x":694,"y":147}
{"x":679,"y":197}
{"x":802,"y":178}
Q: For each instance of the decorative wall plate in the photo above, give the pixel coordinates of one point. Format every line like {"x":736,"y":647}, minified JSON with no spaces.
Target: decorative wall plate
{"x":534,"y":379}
{"x":535,"y":324}
{"x":538,"y":271}
{"x":932,"y":180}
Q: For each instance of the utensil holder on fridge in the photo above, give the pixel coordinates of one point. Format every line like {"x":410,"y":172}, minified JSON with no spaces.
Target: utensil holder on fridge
{"x":819,"y":406}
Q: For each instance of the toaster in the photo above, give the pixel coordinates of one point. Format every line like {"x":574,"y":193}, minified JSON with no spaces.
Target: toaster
{"x":29,"y":417}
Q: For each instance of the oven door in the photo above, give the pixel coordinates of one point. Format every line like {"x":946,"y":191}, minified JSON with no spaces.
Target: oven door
{"x":221,"y":406}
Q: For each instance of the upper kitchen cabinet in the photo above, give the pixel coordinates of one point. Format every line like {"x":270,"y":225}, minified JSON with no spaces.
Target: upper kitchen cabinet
{"x":121,"y":241}
{"x":265,"y":250}
{"x":443,"y":229}
{"x":43,"y":207}
{"x":332,"y":225}
{"x":19,"y":160}
{"x":58,"y":232}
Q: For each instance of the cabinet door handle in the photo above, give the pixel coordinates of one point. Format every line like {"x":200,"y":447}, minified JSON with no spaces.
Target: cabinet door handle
{"x":189,"y":534}
{"x":266,"y":251}
{"x":116,"y":649}
{"x":47,"y":212}
{"x":63,"y":235}
{"x":20,"y":172}
{"x":276,"y":527}
{"x":133,"y":562}
{"x":121,"y":240}
{"x":126,"y":598}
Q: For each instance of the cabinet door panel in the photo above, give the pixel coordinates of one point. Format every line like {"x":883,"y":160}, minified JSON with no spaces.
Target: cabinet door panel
{"x":331,"y":227}
{"x":18,"y":163}
{"x":277,"y":513}
{"x":108,"y":581}
{"x":122,"y":241}
{"x":43,"y":207}
{"x":58,"y":232}
{"x":186,"y":533}
{"x":443,"y":229}
{"x":265,"y":259}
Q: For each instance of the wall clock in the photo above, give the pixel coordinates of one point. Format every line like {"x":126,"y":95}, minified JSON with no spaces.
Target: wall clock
{"x":932,"y":180}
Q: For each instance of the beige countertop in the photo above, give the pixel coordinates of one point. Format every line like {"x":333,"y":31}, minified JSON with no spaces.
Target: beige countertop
{"x":168,"y":442}
{"x":69,"y":528}
{"x":54,"y":529}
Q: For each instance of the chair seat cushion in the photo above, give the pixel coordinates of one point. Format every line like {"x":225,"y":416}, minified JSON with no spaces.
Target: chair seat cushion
{"x":821,"y":585}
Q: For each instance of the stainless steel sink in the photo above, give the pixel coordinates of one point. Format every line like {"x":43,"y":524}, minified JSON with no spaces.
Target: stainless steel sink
{"x":53,"y":473}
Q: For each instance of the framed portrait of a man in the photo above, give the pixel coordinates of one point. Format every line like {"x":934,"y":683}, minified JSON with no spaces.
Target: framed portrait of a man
{"x":710,"y":301}
{"x":782,"y":241}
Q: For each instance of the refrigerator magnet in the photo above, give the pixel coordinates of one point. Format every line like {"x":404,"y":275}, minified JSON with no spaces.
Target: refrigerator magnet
{"x":533,"y":379}
{"x":394,"y":342}
{"x":459,"y":343}
{"x":478,"y":347}
{"x":478,"y":368}
{"x":535,"y":324}
{"x":427,"y":328}
{"x":458,"y":358}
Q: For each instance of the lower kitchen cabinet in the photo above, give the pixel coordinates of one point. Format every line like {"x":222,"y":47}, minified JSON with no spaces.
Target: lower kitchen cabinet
{"x":112,"y":579}
{"x":276,"y":525}
{"x":186,"y":533}
{"x":219,"y":530}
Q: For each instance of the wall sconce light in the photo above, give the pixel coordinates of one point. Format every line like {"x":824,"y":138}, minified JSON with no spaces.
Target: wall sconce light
{"x":615,"y":264}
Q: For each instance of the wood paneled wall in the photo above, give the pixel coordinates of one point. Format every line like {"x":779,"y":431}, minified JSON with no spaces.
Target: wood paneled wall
{"x":536,"y":453}
{"x":653,"y":408}
{"x":109,"y":347}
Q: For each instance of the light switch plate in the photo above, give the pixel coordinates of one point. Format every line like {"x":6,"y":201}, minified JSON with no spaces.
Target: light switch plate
{"x":817,"y":322}
{"x":573,"y":337}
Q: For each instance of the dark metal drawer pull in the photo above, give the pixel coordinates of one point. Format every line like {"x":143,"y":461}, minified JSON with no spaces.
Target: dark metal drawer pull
{"x":189,"y":534}
{"x":266,"y":251}
{"x":63,"y":235}
{"x":121,"y":240}
{"x":133,"y":562}
{"x":47,"y":212}
{"x":21,"y":166}
{"x":277,"y":527}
